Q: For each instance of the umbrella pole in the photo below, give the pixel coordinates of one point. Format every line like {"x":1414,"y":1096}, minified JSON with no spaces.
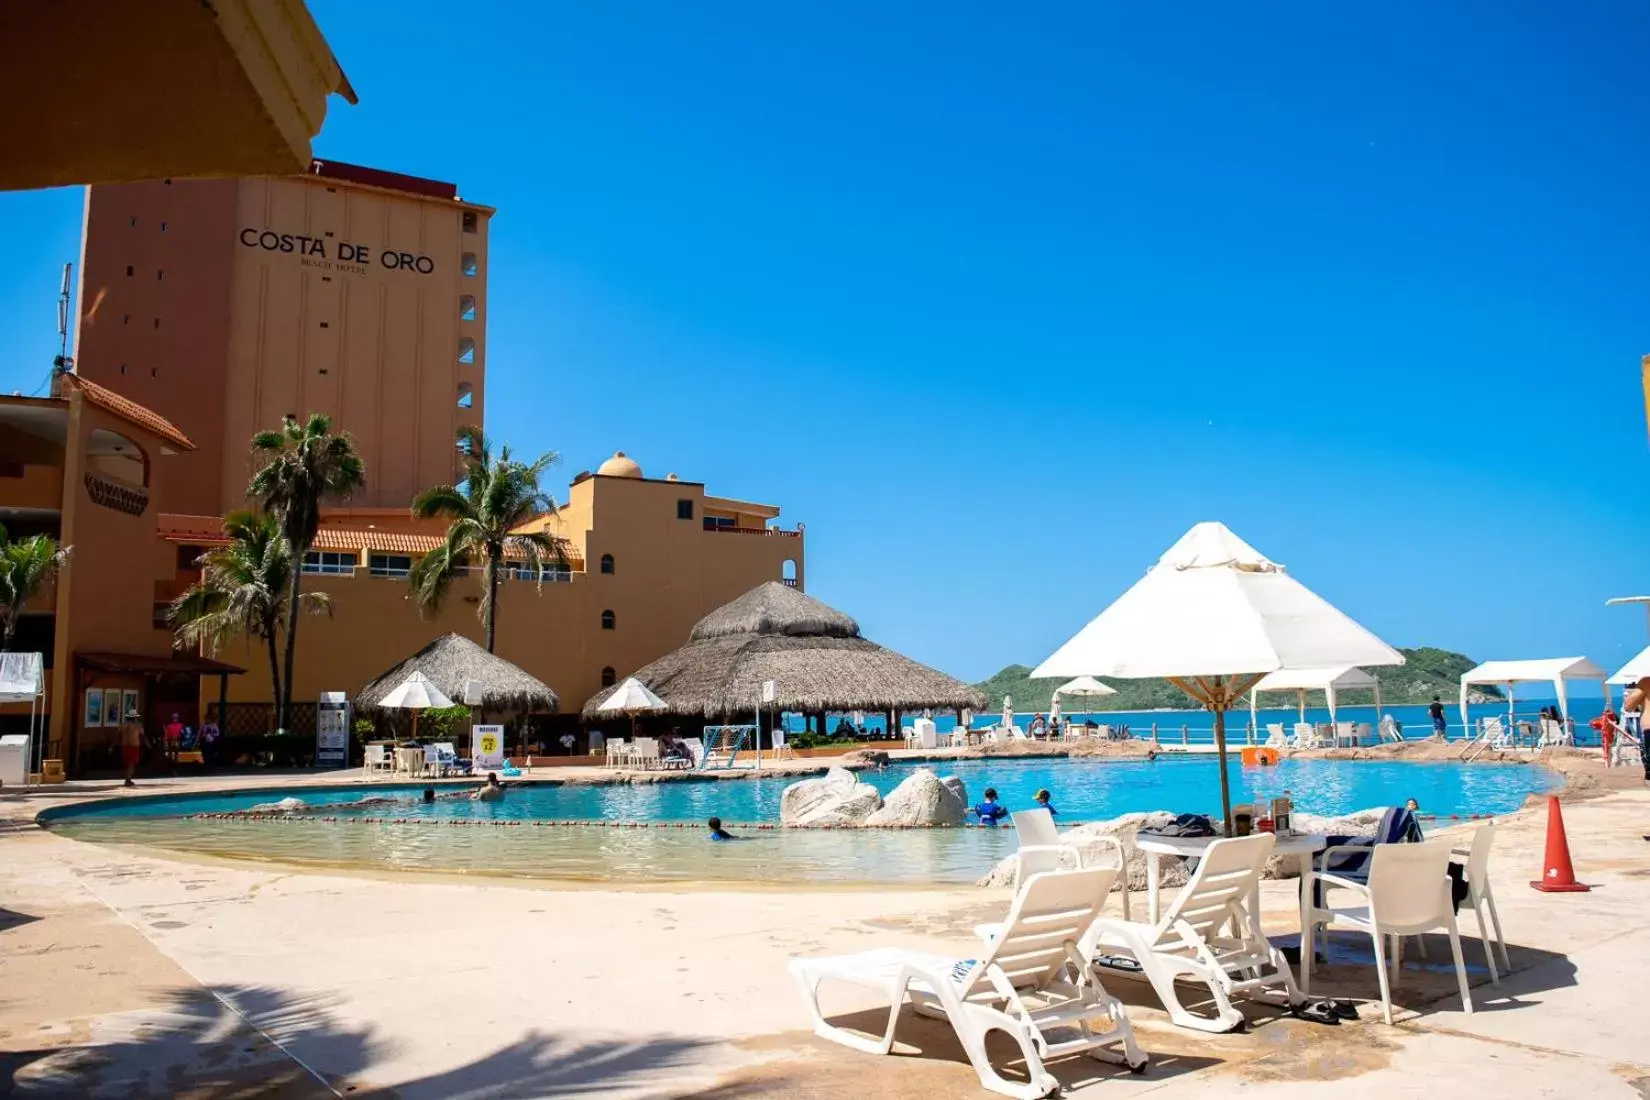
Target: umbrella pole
{"x":1220,"y":750}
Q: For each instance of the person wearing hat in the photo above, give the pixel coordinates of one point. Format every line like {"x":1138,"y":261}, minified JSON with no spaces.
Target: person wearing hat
{"x":131,"y":744}
{"x":1043,"y":803}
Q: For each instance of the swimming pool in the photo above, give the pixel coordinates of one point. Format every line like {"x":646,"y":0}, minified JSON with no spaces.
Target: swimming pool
{"x":1083,"y":790}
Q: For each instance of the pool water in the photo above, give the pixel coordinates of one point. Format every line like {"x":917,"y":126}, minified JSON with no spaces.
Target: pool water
{"x":1083,"y":790}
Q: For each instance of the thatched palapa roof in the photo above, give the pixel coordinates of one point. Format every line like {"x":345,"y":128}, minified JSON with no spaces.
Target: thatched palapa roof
{"x":813,"y":652}
{"x":452,"y":660}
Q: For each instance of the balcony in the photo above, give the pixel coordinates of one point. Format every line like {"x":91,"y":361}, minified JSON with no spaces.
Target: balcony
{"x":777,"y":532}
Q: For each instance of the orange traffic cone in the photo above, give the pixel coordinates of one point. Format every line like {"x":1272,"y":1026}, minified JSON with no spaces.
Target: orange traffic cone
{"x":1558,"y":877}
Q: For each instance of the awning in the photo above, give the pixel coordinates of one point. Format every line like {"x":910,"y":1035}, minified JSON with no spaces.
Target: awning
{"x":143,"y":664}
{"x":1557,"y":671}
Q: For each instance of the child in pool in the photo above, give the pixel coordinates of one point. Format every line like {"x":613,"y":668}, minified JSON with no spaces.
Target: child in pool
{"x":717,"y":832}
{"x":1043,"y":803}
{"x":990,"y":811}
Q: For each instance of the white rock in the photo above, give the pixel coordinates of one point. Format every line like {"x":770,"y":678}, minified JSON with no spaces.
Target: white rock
{"x":923,"y":799}
{"x":1084,"y":838}
{"x":838,"y":798}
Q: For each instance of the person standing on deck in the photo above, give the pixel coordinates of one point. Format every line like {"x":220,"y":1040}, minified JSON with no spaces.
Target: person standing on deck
{"x":131,"y":745}
{"x":1632,"y":717}
{"x":1440,"y":728}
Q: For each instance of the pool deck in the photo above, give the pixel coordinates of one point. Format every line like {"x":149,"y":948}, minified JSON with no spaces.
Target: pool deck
{"x":130,"y":975}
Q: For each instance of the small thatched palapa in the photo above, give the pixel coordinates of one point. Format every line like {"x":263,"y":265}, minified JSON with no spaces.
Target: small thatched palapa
{"x":450,"y":662}
{"x":813,"y":652}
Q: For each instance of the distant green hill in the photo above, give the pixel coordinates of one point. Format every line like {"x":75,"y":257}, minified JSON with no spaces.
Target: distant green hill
{"x":1427,"y":672}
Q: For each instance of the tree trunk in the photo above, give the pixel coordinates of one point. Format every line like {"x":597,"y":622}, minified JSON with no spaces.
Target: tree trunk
{"x":284,"y":704}
{"x":274,"y":680}
{"x":491,"y":580}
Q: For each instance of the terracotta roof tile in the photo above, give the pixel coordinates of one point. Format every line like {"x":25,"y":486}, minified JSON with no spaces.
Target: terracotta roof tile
{"x":111,"y":402}
{"x":194,"y":530}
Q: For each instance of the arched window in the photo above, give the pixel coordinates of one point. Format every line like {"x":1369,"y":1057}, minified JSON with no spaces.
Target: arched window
{"x":787,"y":572}
{"x":607,"y":563}
{"x":608,"y":676}
{"x":468,"y":264}
{"x":466,"y":307}
{"x":466,"y":395}
{"x":466,"y":349}
{"x":607,"y":620}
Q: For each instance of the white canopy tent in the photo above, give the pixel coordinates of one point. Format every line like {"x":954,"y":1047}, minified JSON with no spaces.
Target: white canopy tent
{"x":1215,"y":616}
{"x":1302,"y":680}
{"x":1633,"y":671}
{"x":1557,"y":671}
{"x":22,"y":677}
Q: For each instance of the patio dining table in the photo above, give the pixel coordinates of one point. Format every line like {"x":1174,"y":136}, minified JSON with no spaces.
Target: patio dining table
{"x":410,"y":761}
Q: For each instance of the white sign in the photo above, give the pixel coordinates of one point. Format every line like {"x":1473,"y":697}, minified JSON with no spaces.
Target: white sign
{"x":770,"y":691}
{"x":487,"y":748}
{"x":332,"y":730}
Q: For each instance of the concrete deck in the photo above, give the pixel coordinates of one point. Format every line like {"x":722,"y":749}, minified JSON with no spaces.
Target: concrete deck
{"x":126,"y":974}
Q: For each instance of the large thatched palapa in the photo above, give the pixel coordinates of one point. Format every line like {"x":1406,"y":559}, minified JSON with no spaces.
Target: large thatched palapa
{"x":813,"y":652}
{"x":451,"y":661}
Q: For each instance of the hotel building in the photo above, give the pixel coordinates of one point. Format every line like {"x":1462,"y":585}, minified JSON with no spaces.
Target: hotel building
{"x":211,"y":309}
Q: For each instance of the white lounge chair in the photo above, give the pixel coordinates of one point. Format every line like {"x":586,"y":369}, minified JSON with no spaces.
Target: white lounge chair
{"x":1031,"y":980}
{"x":1306,"y":736}
{"x":1275,"y":737}
{"x":1041,"y":849}
{"x":1388,"y":729}
{"x":1408,"y":893}
{"x":1193,"y":940}
{"x":1554,"y":733}
{"x":1481,"y":898}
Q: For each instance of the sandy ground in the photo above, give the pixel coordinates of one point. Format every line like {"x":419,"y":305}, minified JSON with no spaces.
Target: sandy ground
{"x":126,"y":974}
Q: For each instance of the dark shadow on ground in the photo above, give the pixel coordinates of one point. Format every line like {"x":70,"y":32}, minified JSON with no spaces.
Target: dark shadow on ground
{"x":11,"y":918}
{"x":195,"y":1046}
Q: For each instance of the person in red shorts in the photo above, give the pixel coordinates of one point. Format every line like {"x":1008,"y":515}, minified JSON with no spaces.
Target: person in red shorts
{"x":131,"y":745}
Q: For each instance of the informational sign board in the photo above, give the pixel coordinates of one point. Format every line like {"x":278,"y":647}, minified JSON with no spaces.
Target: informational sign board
{"x":332,"y":715}
{"x":487,"y":748}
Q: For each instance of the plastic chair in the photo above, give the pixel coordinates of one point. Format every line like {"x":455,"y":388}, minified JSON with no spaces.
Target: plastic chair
{"x":1042,"y":849}
{"x":1408,"y":894}
{"x":1481,"y":897}
{"x":1275,"y":737}
{"x":377,"y":759}
{"x":432,"y":760}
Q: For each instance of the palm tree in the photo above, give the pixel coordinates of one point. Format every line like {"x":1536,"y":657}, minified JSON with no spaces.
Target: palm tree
{"x":304,"y":465}
{"x":243,"y":591}
{"x":496,"y":496}
{"x":26,"y":566}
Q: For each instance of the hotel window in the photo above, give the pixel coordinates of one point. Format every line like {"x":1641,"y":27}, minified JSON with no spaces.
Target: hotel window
{"x":466,"y":349}
{"x":608,"y":620}
{"x":329,"y":561}
{"x":684,"y":509}
{"x":548,"y":574}
{"x":469,"y":221}
{"x":466,"y":395}
{"x":607,"y":564}
{"x":720,"y":523}
{"x":468,"y":264}
{"x":467,"y":307}
{"x":608,"y":676}
{"x":389,"y":565}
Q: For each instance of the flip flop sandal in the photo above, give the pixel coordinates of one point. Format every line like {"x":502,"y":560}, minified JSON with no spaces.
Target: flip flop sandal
{"x":1346,"y":1010}
{"x":1118,"y":962}
{"x":1318,"y":1012}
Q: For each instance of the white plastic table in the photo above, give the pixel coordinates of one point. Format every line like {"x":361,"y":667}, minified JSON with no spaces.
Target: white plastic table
{"x":1301,"y":845}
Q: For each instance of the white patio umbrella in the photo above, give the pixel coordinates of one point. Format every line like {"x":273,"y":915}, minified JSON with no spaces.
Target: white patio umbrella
{"x":1087,"y":687}
{"x":1214,"y":616}
{"x":632,"y":697}
{"x":417,"y":692}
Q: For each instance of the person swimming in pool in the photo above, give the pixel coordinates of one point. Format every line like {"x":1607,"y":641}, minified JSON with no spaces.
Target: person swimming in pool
{"x":717,"y":832}
{"x":1043,"y":803}
{"x":429,"y":794}
{"x":990,"y":811}
{"x":490,"y":791}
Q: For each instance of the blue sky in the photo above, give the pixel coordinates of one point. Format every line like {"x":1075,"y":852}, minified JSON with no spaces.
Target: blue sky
{"x":999,"y":302}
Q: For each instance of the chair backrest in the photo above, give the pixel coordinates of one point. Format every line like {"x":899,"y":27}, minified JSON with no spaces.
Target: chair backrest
{"x":375,"y":754}
{"x":1344,"y":728}
{"x":1363,"y":730}
{"x":1051,"y":913}
{"x":446,"y":749}
{"x":1478,"y":857}
{"x":1035,"y":827}
{"x":432,"y":755}
{"x":1226,"y":873}
{"x":1275,"y":729}
{"x":1305,"y":730}
{"x":647,"y":748}
{"x":1492,"y":727}
{"x":1409,"y":883}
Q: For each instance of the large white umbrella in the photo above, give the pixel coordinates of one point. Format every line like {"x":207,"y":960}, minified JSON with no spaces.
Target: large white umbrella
{"x":1087,"y":687}
{"x":417,"y":692}
{"x":1214,"y":616}
{"x":631,"y":697}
